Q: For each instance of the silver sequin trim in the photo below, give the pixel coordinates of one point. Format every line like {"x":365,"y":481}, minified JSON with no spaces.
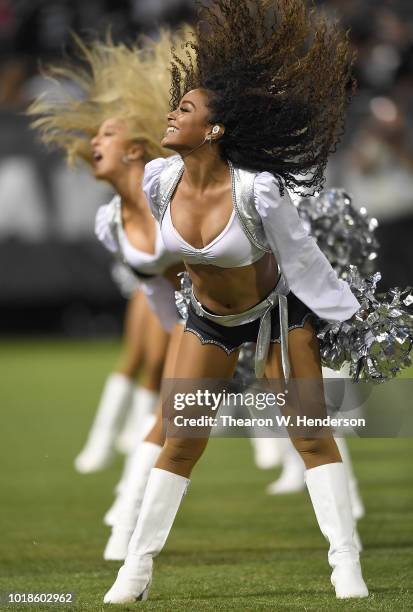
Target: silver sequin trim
{"x":229,"y":351}
{"x":299,"y":325}
{"x":203,"y":341}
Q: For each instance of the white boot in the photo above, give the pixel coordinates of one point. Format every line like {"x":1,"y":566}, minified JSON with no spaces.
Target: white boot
{"x":327,"y":486}
{"x":357,"y":506}
{"x":140,"y":420}
{"x":130,"y":500}
{"x":110,"y":516}
{"x":163,"y":496}
{"x":98,"y":450}
{"x":291,"y":479}
{"x":266,"y":452}
{"x":144,"y":418}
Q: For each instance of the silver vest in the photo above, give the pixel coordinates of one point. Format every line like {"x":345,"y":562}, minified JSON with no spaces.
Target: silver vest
{"x":242,"y":197}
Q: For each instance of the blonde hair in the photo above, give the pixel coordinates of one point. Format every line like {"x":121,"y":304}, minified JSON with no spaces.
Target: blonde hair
{"x":130,"y":83}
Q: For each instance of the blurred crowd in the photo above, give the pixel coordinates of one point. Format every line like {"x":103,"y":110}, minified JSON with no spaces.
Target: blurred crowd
{"x":42,"y":201}
{"x":376,"y":161}
{"x":53,"y":201}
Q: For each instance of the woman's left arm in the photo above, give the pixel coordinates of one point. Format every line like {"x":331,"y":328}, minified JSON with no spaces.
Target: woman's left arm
{"x":305,"y":268}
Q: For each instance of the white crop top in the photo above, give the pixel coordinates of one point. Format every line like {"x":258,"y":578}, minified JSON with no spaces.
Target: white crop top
{"x":159,"y":291}
{"x":145,"y":263}
{"x":231,"y":249}
{"x":305,"y":268}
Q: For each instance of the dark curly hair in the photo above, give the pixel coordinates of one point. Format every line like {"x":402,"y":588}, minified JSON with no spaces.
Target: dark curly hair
{"x":279,"y":79}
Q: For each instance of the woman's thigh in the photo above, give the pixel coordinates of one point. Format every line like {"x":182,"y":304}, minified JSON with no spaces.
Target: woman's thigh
{"x":173,"y":351}
{"x":157,"y":433}
{"x":304,"y":353}
{"x":133,"y":336}
{"x":195,"y":362}
{"x":156,"y":341}
{"x":316,"y":446}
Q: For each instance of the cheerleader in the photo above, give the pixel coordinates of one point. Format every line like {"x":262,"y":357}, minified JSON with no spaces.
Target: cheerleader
{"x":115,"y":125}
{"x":252,"y":118}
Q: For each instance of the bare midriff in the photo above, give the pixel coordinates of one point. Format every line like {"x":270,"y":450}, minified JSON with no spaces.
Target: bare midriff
{"x":227,"y":291}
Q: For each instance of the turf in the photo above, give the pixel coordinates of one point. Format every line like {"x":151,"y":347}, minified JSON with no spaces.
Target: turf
{"x":232,"y":547}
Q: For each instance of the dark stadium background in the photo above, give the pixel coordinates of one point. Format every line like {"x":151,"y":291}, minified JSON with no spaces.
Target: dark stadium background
{"x":54,"y":277}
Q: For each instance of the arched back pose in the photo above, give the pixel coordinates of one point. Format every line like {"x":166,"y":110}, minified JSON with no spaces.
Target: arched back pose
{"x":115,"y":125}
{"x":259,"y":113}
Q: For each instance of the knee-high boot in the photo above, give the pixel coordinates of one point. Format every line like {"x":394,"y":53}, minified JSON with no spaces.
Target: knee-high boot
{"x":291,"y":479}
{"x":140,"y":420}
{"x":357,"y":506}
{"x":98,"y":450}
{"x":267,"y":454}
{"x":328,"y":489}
{"x":163,"y":496}
{"x":130,"y":500}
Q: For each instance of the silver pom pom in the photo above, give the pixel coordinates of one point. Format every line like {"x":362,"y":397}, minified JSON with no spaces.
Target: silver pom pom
{"x":183,"y":296}
{"x":378,"y":341}
{"x":343,"y":233}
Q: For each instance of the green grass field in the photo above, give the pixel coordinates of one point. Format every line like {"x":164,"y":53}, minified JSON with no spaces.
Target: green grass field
{"x":232,"y":547}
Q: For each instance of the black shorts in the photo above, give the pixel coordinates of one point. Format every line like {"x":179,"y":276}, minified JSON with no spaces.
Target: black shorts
{"x":232,"y":338}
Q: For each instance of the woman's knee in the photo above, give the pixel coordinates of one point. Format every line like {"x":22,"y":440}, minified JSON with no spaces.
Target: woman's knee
{"x":184,"y":450}
{"x":153,"y":368}
{"x":317,"y":451}
{"x":129,"y":369}
{"x":130,"y":360}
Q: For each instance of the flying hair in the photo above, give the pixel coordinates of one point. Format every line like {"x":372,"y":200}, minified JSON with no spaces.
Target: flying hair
{"x":111,"y":80}
{"x":279,"y":78}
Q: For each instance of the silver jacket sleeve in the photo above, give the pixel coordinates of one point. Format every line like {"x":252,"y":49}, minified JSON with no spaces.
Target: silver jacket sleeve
{"x":307,"y":271}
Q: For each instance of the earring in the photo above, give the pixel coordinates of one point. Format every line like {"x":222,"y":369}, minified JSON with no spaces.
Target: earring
{"x":125,"y":159}
{"x":214,"y":132}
